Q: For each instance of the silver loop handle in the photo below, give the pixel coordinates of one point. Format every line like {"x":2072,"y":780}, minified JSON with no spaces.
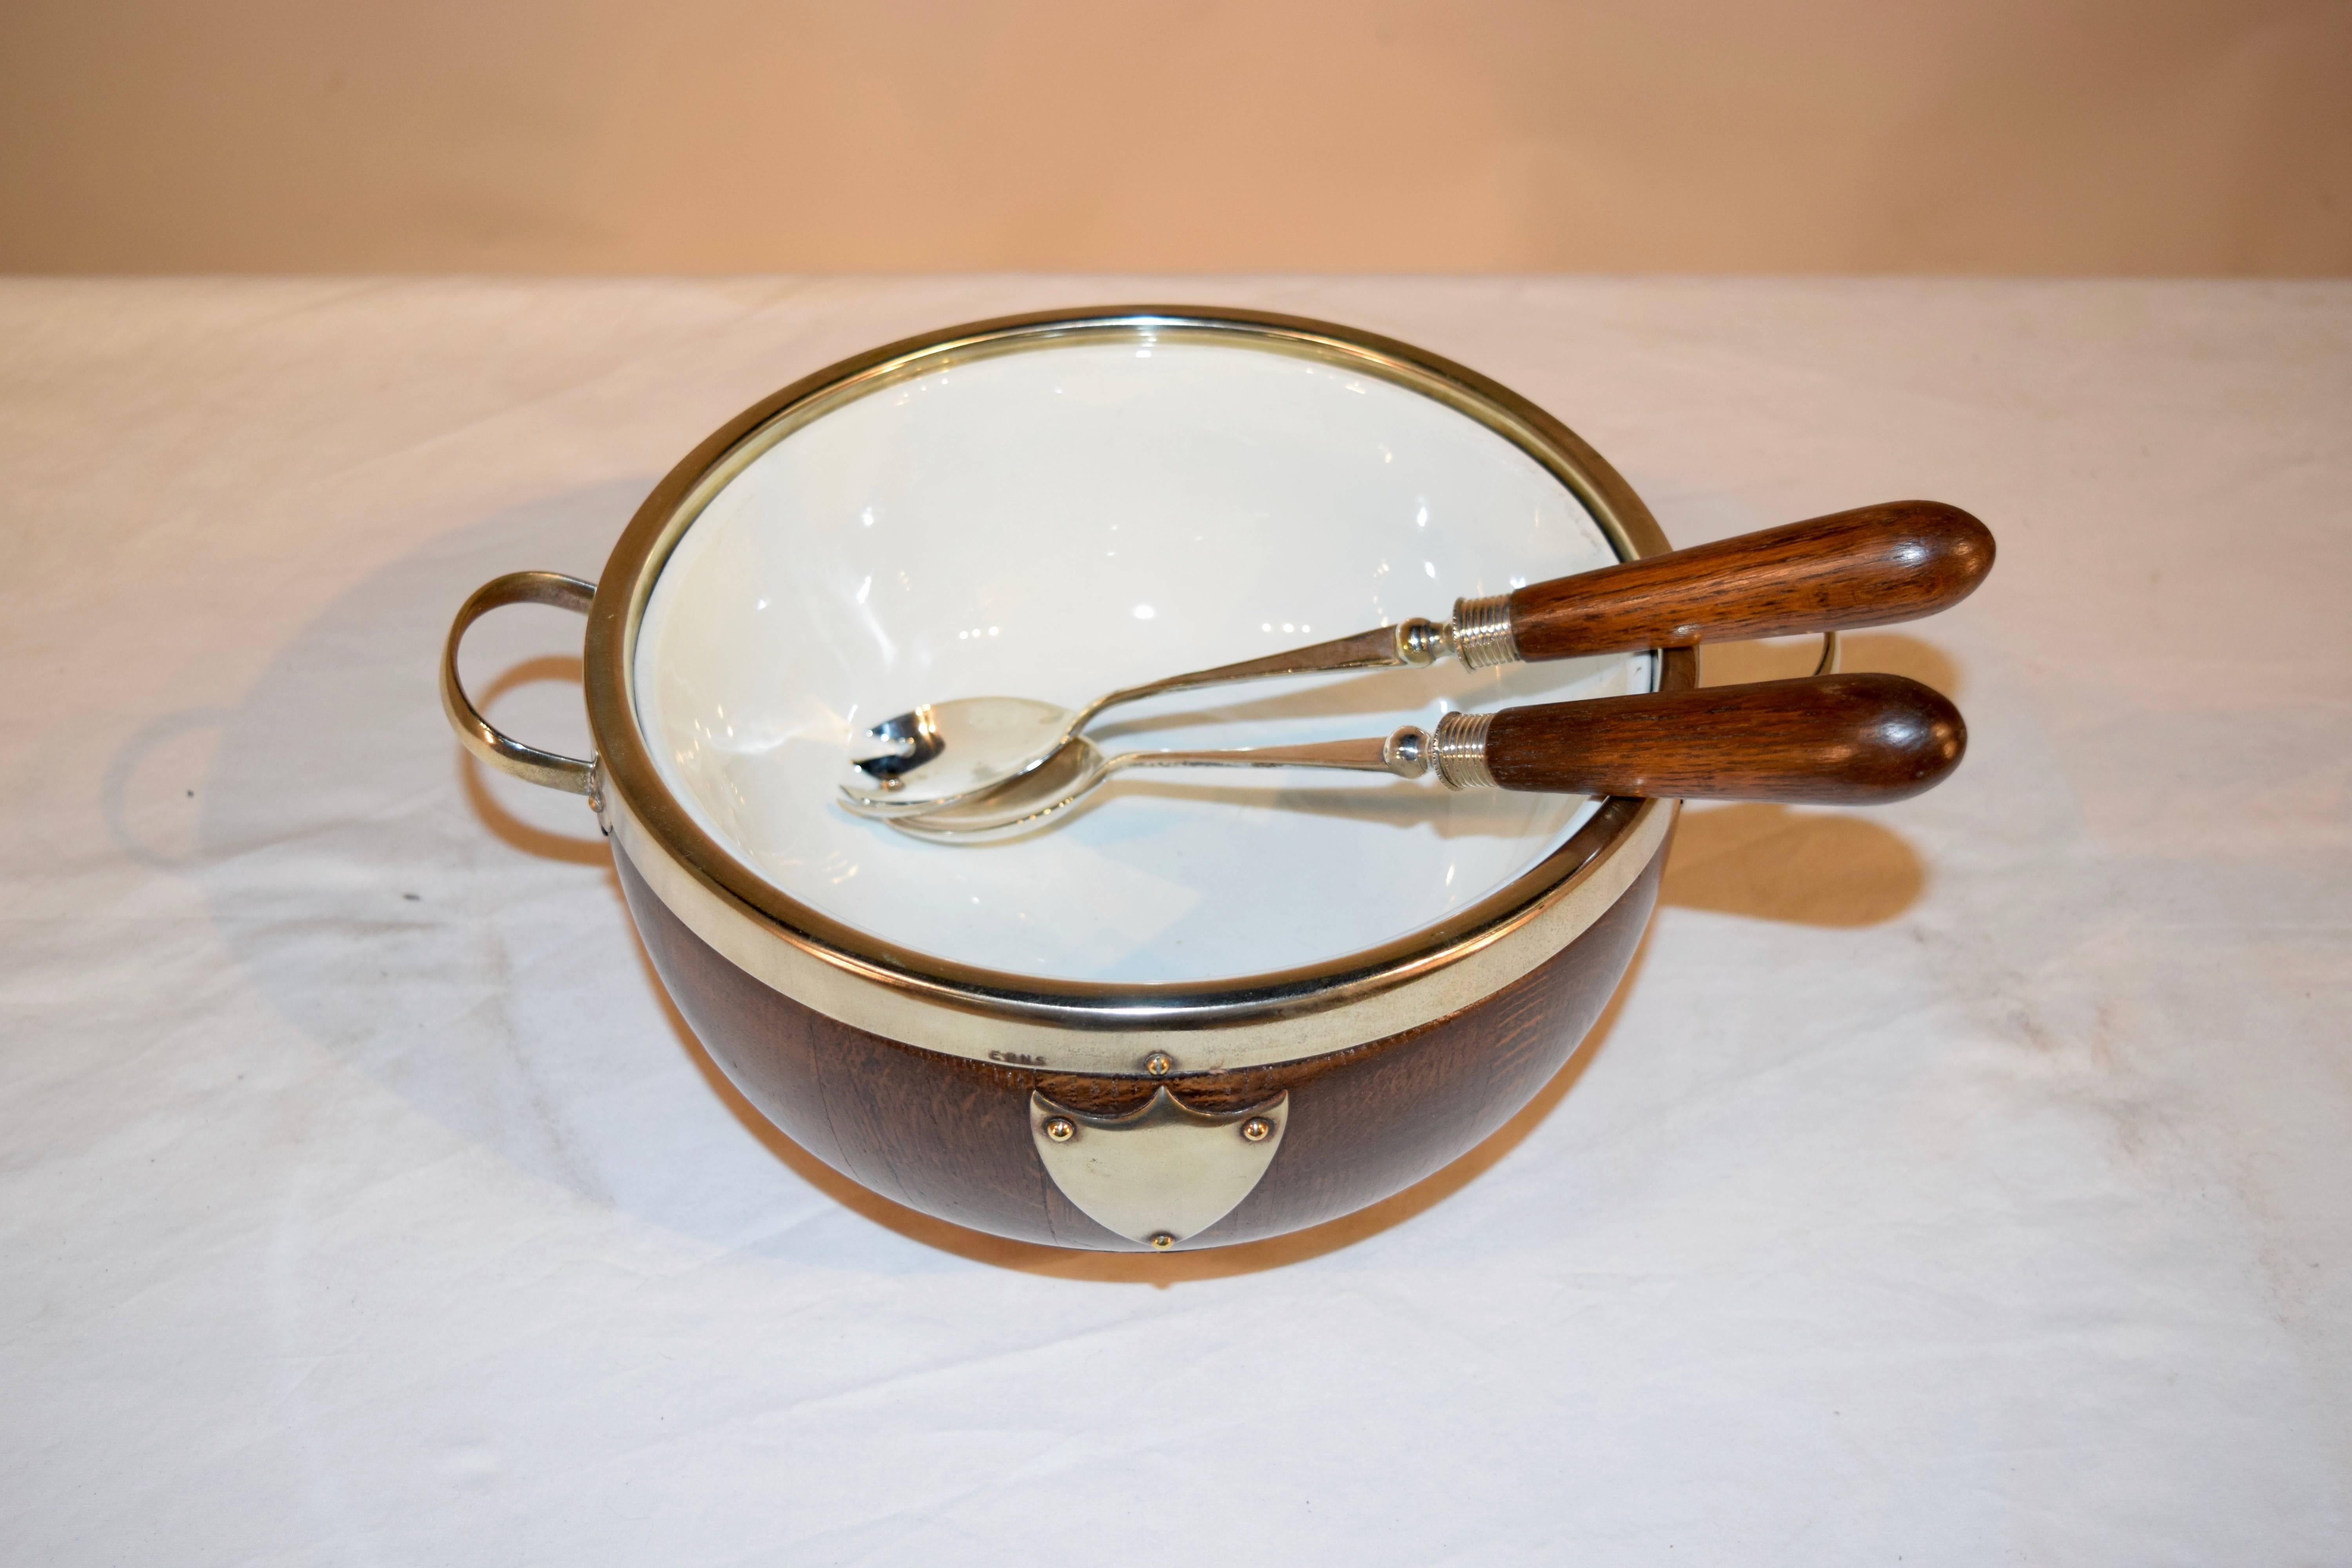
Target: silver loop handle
{"x":551,"y":769}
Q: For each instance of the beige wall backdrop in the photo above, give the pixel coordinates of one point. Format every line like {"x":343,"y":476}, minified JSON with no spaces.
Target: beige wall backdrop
{"x":2165,"y":136}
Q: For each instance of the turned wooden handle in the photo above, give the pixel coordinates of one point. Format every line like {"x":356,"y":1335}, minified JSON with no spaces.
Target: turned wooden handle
{"x":1828,"y":740}
{"x":1868,"y":567}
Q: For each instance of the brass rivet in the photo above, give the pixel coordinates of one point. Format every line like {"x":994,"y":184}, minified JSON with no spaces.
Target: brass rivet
{"x":889,"y":785}
{"x":1163,"y":1241}
{"x":1061,"y":1129}
{"x":1257,"y":1130}
{"x":1157,"y":1064}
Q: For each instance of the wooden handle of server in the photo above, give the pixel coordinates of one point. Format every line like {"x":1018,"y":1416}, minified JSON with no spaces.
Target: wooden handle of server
{"x":1827,"y":739}
{"x":1868,"y":567}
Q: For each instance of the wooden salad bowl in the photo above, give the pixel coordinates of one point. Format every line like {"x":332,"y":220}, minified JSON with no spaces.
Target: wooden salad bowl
{"x":1201,"y":1013}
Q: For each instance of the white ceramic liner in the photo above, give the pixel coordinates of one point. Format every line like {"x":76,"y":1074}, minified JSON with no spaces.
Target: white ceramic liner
{"x":1059,"y":522}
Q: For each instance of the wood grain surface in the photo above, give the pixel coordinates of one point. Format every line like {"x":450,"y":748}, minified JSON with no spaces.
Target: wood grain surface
{"x":1868,"y":567}
{"x":1831,"y":740}
{"x":950,"y":1136}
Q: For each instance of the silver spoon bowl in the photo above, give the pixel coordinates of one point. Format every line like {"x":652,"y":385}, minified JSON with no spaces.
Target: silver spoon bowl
{"x":947,"y":751}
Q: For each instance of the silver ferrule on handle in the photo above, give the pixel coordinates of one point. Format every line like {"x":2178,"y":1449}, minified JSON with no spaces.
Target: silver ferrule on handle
{"x":1458,"y":750}
{"x":1481,"y":633}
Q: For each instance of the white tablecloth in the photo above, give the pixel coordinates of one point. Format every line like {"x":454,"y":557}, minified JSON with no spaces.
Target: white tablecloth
{"x":1965,"y":1181}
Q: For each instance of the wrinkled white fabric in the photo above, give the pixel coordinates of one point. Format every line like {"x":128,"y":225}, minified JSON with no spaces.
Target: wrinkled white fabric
{"x":1968,"y":1181}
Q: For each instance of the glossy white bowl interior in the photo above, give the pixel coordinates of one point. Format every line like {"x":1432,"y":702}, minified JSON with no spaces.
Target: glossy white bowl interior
{"x":1060,"y":522}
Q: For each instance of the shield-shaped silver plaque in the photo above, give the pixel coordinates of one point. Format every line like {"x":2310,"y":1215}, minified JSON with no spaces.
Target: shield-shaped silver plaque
{"x":1161,"y":1175}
